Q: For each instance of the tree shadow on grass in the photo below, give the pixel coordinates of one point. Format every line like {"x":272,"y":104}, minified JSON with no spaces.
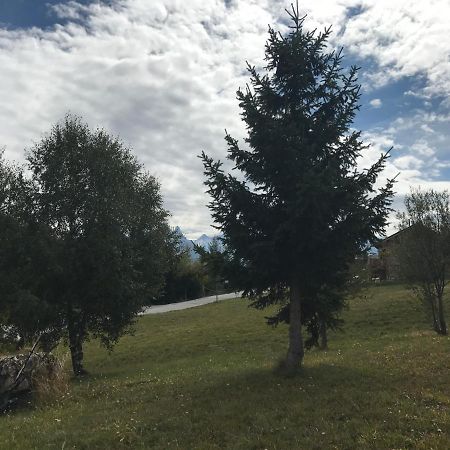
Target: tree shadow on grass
{"x":322,"y":377}
{"x":256,"y":403}
{"x":14,"y":403}
{"x":329,"y":387}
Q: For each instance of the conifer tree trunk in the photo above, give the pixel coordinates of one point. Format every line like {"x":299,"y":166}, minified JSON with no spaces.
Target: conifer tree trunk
{"x":295,"y":351}
{"x":323,"y":335}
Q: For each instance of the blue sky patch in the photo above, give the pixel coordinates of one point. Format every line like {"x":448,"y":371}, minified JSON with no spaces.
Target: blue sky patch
{"x":15,"y":14}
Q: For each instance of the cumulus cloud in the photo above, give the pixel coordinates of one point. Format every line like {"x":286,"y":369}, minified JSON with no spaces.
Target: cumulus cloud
{"x":411,"y":165}
{"x":426,"y":128}
{"x":422,"y":148}
{"x":405,"y":38}
{"x":163,"y":75}
{"x":376,"y":103}
{"x":408,"y":162}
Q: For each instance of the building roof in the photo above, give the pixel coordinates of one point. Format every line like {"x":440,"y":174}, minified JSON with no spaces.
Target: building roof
{"x":393,"y":237}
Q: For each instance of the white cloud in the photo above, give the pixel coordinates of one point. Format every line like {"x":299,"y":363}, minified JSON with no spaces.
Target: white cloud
{"x":422,"y":148}
{"x":411,"y":165}
{"x":163,"y":75}
{"x":408,"y":163}
{"x":405,"y":38}
{"x":417,"y":94}
{"x":426,"y":128}
{"x":376,"y":103}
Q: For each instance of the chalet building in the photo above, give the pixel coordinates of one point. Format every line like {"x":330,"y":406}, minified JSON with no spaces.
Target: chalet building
{"x":386,"y":265}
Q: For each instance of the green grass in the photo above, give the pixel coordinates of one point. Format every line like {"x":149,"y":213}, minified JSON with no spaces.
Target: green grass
{"x":203,"y":379}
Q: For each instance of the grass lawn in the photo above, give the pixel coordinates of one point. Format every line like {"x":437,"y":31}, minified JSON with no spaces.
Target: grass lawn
{"x":203,"y":379}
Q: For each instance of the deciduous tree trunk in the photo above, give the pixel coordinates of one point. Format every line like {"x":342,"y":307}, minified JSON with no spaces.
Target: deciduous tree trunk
{"x":76,"y":353}
{"x":76,"y":337}
{"x":442,"y":323}
{"x":434,"y":313}
{"x":295,"y":351}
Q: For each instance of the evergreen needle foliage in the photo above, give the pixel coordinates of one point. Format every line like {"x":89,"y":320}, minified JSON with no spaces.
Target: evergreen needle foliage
{"x":302,"y":210}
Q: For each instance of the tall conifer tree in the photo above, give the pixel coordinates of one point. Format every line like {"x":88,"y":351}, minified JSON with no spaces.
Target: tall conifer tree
{"x":302,"y":209}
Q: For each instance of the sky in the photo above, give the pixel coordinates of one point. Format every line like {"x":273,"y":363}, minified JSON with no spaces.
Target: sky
{"x":163,"y":74}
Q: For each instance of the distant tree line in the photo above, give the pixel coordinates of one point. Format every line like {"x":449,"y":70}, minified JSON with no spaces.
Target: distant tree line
{"x":188,"y":278}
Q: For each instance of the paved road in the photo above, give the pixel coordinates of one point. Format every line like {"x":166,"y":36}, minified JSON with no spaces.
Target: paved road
{"x":157,"y":309}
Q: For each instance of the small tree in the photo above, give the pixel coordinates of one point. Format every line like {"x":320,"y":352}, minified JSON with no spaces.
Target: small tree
{"x":424,"y":249}
{"x":105,"y":215}
{"x":302,"y":210}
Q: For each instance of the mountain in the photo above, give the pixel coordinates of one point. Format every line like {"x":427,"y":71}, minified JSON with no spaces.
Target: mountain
{"x":204,"y":241}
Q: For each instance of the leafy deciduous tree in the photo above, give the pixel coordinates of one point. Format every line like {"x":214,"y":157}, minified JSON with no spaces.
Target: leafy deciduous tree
{"x":26,"y":254}
{"x":424,"y":249}
{"x":107,"y":231}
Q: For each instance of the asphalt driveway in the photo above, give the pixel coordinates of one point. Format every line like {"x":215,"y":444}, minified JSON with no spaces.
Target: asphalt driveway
{"x":157,"y":309}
